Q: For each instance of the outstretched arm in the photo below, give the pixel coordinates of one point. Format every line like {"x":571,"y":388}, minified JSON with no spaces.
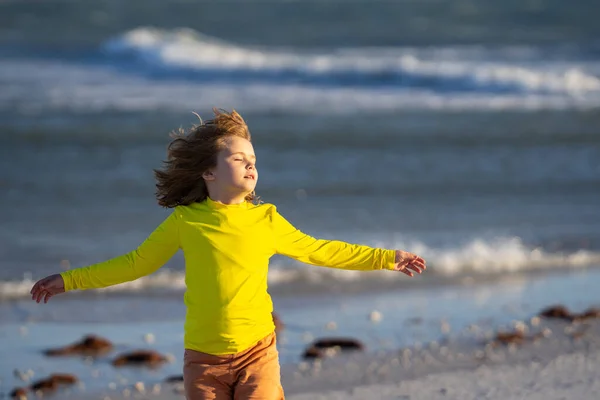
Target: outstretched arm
{"x":153,"y":253}
{"x":293,"y":243}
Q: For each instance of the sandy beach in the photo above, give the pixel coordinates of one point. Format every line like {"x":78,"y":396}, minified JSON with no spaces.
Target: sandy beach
{"x":562,"y":366}
{"x":449,"y":349}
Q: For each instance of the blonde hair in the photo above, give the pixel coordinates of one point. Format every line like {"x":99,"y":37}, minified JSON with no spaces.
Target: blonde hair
{"x":192,"y":153}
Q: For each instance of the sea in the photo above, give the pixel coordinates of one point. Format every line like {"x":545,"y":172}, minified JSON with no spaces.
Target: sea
{"x":464,"y":131}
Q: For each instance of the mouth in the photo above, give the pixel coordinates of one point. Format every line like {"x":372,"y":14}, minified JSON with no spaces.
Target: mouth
{"x":252,"y":177}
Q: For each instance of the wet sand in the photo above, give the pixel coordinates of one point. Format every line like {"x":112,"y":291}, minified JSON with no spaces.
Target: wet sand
{"x":561,"y":363}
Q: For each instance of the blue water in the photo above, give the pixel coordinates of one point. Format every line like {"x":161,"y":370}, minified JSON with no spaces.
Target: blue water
{"x":464,"y":132}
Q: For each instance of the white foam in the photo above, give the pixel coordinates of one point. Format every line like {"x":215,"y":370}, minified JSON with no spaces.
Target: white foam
{"x":190,"y":49}
{"x":50,"y":87}
{"x":475,"y":258}
{"x":395,"y":79}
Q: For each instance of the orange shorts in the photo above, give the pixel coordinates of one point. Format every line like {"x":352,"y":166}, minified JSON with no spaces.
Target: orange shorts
{"x":251,"y":374}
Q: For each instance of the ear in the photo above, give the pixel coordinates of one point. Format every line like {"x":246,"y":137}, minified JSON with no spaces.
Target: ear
{"x":208,"y":175}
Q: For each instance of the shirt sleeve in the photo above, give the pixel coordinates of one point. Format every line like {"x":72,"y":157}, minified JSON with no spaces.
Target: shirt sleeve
{"x":152,"y":254}
{"x":293,"y":243}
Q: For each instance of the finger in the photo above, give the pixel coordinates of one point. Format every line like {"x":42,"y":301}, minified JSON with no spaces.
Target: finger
{"x":422,"y":262}
{"x":418,"y":265}
{"x":418,"y":259}
{"x":414,"y":268}
{"x":407,"y":272}
{"x":47,"y":297}
{"x":36,"y":286}
{"x":40,"y":295}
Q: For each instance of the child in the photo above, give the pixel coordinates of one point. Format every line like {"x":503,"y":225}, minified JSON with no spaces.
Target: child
{"x":227,"y":239}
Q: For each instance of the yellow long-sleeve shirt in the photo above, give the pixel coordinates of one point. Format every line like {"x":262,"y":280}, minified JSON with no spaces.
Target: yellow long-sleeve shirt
{"x":227,"y":250}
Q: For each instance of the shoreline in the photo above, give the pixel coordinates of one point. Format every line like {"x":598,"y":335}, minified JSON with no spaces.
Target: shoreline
{"x":434,"y":331}
{"x":366,"y":285}
{"x":560,"y":366}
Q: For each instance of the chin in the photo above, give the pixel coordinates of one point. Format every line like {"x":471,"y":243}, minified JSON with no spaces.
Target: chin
{"x":246,"y":189}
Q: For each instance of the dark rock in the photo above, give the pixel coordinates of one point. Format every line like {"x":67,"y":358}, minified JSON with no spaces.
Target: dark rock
{"x":590,"y":313}
{"x":312,"y":352}
{"x":46,"y":385}
{"x":18,"y":393}
{"x":53,"y":382}
{"x":516,"y":337}
{"x":90,"y":345}
{"x":174,"y":379}
{"x":144,"y":358}
{"x":320,"y":347}
{"x":557,"y":312}
{"x":343,"y":343}
{"x":561,"y":312}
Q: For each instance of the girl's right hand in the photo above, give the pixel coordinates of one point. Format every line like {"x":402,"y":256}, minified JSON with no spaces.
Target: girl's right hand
{"x":47,"y":287}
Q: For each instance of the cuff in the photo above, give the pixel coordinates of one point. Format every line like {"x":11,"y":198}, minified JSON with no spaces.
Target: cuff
{"x":68,"y":280}
{"x":388,"y":260}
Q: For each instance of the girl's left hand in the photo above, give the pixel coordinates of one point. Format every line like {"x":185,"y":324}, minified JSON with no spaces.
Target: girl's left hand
{"x":408,"y":262}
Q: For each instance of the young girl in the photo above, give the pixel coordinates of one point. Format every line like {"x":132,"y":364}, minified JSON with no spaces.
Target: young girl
{"x":227,"y":238}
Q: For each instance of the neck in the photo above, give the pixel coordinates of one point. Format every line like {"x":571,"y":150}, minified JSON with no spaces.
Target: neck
{"x":228,"y":198}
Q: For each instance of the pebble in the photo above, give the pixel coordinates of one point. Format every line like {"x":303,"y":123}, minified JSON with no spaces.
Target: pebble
{"x":149,"y":338}
{"x":331,"y":351}
{"x":303,"y":366}
{"x":307,"y":337}
{"x":375,"y":316}
{"x":156,"y":388}
{"x":383,"y":370}
{"x":22,"y":376}
{"x":331,"y":325}
{"x":445,"y":327}
{"x":569,"y":329}
{"x":546,"y":332}
{"x":520,"y":326}
{"x":140,"y":387}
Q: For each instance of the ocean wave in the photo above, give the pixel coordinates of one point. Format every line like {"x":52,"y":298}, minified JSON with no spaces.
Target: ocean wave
{"x":174,"y":51}
{"x":477,"y":258}
{"x":32,"y":88}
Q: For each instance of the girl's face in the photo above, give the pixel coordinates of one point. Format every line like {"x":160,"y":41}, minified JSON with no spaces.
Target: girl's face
{"x":235,"y":172}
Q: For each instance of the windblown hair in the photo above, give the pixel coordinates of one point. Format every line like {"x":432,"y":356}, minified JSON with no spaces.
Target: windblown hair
{"x":192,"y":153}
